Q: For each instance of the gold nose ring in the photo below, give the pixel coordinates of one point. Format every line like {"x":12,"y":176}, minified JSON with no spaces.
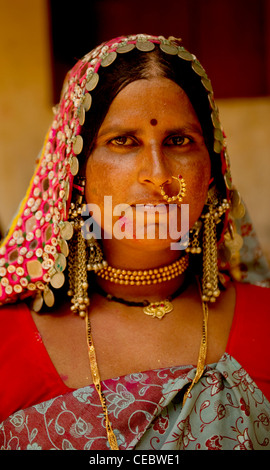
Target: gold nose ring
{"x":181,"y":193}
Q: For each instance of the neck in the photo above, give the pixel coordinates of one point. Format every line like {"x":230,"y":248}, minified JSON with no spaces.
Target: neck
{"x":139,"y":293}
{"x":141,"y":260}
{"x":125,"y":255}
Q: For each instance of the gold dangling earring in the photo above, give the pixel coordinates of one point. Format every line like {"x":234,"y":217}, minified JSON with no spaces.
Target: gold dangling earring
{"x":194,"y":243}
{"x":78,"y":284}
{"x":95,"y":258}
{"x":210,"y":290}
{"x":181,"y":193}
{"x":210,"y":281}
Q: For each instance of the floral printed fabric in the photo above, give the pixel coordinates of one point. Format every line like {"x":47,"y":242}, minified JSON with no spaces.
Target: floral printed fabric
{"x":224,"y":411}
{"x":253,"y":267}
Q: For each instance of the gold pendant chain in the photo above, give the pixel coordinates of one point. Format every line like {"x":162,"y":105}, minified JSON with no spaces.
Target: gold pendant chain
{"x":203,"y":348}
{"x":96,"y":377}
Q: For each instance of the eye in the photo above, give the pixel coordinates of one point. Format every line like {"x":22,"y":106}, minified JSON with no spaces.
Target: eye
{"x":178,"y":140}
{"x":122,"y":140}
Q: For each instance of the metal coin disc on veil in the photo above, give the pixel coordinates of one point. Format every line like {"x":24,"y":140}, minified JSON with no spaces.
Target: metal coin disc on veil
{"x":87,"y":101}
{"x":235,"y":244}
{"x":183,"y":54}
{"x":37,"y":302}
{"x":239,"y":211}
{"x":64,"y":247}
{"x":145,"y":46}
{"x":60,"y":263}
{"x":82,"y":116}
{"x":78,"y":144}
{"x":48,"y":297}
{"x":66,"y":230}
{"x":235,"y":198}
{"x":109,"y":59}
{"x":74,"y":166}
{"x":92,"y":81}
{"x":122,"y":49}
{"x":197,"y":67}
{"x":207,"y":84}
{"x":169,"y":49}
{"x":217,"y":146}
{"x":57,"y":280}
{"x":218,"y":134}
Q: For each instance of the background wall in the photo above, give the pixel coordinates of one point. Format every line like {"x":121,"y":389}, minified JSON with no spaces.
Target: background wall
{"x":25,"y":96}
{"x":41,"y":39}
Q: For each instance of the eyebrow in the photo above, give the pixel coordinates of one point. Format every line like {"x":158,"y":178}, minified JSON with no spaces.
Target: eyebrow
{"x":117,"y":130}
{"x":194,"y":128}
{"x":120,"y":130}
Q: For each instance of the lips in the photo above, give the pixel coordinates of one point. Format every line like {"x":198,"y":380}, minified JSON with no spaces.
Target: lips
{"x":160,"y":207}
{"x":155,"y":208}
{"x":154,"y":202}
{"x":146,"y":213}
{"x":141,"y":219}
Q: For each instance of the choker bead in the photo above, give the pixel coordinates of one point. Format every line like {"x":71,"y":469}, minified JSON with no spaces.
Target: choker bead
{"x":144,"y":277}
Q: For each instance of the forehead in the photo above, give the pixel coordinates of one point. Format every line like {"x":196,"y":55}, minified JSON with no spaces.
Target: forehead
{"x":152,"y":99}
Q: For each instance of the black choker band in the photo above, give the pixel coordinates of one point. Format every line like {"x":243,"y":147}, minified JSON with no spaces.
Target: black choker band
{"x":155,"y":309}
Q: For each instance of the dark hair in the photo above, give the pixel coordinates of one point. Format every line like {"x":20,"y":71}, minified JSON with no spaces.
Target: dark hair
{"x":136,"y":65}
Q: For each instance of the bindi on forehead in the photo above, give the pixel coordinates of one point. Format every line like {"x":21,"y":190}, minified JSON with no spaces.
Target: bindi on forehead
{"x":153,"y":122}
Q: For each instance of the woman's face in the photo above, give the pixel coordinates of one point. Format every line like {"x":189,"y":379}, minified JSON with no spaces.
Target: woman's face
{"x":150,"y":133}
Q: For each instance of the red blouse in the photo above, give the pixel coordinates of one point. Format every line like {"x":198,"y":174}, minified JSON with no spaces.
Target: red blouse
{"x":29,"y":377}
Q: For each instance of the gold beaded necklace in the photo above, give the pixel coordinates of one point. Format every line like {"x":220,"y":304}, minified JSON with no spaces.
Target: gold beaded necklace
{"x":144,"y":277}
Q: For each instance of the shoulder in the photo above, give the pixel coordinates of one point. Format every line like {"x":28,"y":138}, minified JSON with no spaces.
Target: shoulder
{"x":252,"y":311}
{"x":252,"y":293}
{"x":16,"y":323}
{"x":249,"y":336}
{"x":17,"y":329}
{"x":252,"y":304}
{"x":9,"y":311}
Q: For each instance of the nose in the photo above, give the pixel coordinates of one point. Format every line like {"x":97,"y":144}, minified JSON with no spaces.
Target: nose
{"x":154,"y":168}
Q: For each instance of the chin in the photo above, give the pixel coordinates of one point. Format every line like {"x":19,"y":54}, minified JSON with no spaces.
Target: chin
{"x":151,"y":243}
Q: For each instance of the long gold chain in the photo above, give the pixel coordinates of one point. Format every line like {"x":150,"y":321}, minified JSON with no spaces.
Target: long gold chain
{"x":203,"y":349}
{"x":97,"y":382}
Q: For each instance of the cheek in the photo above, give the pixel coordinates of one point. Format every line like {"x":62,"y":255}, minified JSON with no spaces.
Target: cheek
{"x":104,"y":178}
{"x":92,"y":188}
{"x":97,"y":181}
{"x":197,"y":183}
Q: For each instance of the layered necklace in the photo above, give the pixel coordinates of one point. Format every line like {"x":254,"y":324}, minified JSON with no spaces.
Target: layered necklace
{"x":155,"y":309}
{"x":144,"y":278}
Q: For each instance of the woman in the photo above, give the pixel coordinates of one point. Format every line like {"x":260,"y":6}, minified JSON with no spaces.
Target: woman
{"x":172,"y":357}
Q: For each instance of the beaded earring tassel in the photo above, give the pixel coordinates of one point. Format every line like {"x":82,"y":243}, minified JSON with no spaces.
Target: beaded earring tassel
{"x":77,"y":260}
{"x":194,"y":243}
{"x":95,"y":260}
{"x":210,"y":290}
{"x":210,"y":281}
{"x":78,"y":274}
